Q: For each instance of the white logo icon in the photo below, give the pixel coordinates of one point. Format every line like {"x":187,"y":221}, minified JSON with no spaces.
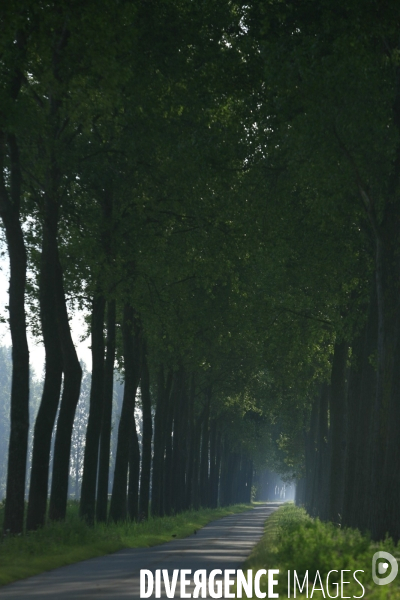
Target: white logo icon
{"x":383,"y":567}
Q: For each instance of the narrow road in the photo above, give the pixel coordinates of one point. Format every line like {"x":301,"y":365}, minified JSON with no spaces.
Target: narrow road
{"x":222,"y":544}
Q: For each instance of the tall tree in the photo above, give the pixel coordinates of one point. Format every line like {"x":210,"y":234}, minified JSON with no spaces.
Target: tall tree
{"x":13,"y":51}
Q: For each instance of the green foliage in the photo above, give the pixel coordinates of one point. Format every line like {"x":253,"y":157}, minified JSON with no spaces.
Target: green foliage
{"x":295,"y":541}
{"x":205,"y":165}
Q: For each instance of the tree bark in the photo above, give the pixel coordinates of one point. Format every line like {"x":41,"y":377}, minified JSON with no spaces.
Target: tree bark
{"x":179,"y":439}
{"x":204,"y":460}
{"x":134,"y":469}
{"x":70,"y":396}
{"x":19,"y":412}
{"x":355,"y":407}
{"x":214,"y":474}
{"x":87,"y":506}
{"x":105,"y":434}
{"x":38,"y":491}
{"x":195,"y":502}
{"x":132,"y":362}
{"x":322,"y":476}
{"x":168,"y":464}
{"x":338,"y":425}
{"x":311,"y":460}
{"x":157,"y":488}
{"x":190,"y":446}
{"x":144,"y":497}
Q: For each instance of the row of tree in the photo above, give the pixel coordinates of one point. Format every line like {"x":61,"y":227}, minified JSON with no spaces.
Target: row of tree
{"x":218,"y":185}
{"x":78,"y":433}
{"x":340,"y":134}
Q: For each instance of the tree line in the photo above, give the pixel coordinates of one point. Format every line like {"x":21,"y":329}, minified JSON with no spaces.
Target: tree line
{"x":78,"y":432}
{"x":218,"y":186}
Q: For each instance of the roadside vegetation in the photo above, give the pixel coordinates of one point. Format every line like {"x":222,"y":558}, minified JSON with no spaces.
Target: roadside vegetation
{"x":66,"y":542}
{"x":295,"y":541}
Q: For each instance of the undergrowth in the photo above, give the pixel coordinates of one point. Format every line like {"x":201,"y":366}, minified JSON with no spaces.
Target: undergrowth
{"x":62,"y":543}
{"x":295,"y":541}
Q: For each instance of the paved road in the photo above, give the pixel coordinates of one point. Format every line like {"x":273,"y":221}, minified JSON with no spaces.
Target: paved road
{"x":222,"y":544}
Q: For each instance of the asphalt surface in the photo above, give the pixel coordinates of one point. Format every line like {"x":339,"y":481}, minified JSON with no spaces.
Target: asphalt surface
{"x":222,"y":544}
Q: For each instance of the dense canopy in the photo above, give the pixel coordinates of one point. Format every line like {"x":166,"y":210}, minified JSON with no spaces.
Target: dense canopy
{"x":217,"y":184}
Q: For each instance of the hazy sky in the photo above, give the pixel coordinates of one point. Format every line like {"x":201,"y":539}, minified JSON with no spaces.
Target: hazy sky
{"x":36,"y":348}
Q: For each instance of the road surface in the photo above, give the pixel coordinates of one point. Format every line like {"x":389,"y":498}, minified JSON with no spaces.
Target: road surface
{"x":222,"y":544}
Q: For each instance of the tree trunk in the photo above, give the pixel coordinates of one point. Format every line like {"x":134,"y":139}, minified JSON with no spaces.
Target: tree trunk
{"x":311,"y":460}
{"x":190,"y":446}
{"x":357,"y":405}
{"x":168,"y":464}
{"x":218,"y":459}
{"x":385,"y":414}
{"x":19,"y":412}
{"x":144,"y":498}
{"x":38,"y":491}
{"x":105,"y":434}
{"x":72,"y":383}
{"x":338,"y":426}
{"x":195,"y":502}
{"x":386,"y":507}
{"x":179,"y":439}
{"x":132,"y":363}
{"x":391,"y":470}
{"x":360,"y":509}
{"x":214,"y":474}
{"x":322,"y":475}
{"x":157,"y":488}
{"x":134,"y":468}
{"x":87,"y":506}
{"x":204,"y":460}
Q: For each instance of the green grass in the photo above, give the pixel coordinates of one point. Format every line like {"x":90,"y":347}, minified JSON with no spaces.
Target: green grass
{"x":59,"y":544}
{"x":294,"y":541}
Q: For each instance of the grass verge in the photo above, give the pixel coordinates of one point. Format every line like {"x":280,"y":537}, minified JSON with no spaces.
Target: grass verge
{"x":60,"y":544}
{"x":295,"y":541}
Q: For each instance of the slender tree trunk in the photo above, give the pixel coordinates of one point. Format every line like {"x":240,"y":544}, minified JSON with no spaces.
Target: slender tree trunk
{"x":196,"y":463}
{"x":105,"y":434}
{"x":190,"y":448}
{"x":386,"y":458}
{"x":218,"y":459}
{"x":19,"y":413}
{"x":213,"y":491}
{"x":228,"y":474}
{"x":87,"y":506}
{"x":360,"y":510}
{"x":69,"y":400}
{"x":38,"y":491}
{"x":249,"y":481}
{"x":134,"y":469}
{"x":387,"y":373}
{"x":355,"y":407}
{"x":179,"y":456}
{"x":338,"y":424}
{"x":168,"y":462}
{"x":204,"y":484}
{"x":144,"y":497}
{"x":163,"y":393}
{"x":132,"y":363}
{"x":321,"y":503}
{"x":311,"y":460}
